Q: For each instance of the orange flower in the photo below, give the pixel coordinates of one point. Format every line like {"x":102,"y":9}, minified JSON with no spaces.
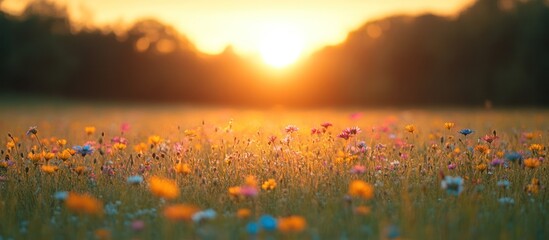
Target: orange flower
{"x":84,"y":204}
{"x":10,"y":144}
{"x":49,"y":169}
{"x":89,"y":130}
{"x":533,"y":187}
{"x":119,"y":146}
{"x":61,"y":142}
{"x":536,"y":148}
{"x":362,"y":189}
{"x":180,"y":212}
{"x":410,"y":128}
{"x":482,"y":149}
{"x":234,"y":191}
{"x":103,"y":234}
{"x":269,"y":185}
{"x":449,"y":125}
{"x":140,"y":148}
{"x":292,"y":224}
{"x":48,"y":155}
{"x":64,"y":155}
{"x":80,"y":170}
{"x":243,"y":213}
{"x":362,"y":210}
{"x":163,"y":187}
{"x":250,"y":181}
{"x":481,"y":167}
{"x":35,"y":157}
{"x":182,"y":168}
{"x":532,"y":162}
{"x":155,"y":139}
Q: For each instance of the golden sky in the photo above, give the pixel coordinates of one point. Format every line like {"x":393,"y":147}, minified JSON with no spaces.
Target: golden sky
{"x":245,"y":24}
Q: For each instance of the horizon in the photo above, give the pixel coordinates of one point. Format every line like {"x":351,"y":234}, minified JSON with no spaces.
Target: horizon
{"x":212,"y":30}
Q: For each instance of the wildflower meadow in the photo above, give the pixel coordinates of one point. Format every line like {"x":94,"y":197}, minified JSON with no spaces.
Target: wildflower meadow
{"x":79,"y":171}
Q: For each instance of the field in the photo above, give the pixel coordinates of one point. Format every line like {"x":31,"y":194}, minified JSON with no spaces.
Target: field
{"x":80,"y":171}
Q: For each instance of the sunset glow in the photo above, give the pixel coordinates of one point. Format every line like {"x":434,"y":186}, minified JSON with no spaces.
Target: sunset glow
{"x":213,"y":25}
{"x":280,"y":46}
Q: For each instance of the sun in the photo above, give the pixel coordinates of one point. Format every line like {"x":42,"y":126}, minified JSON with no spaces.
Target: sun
{"x":280,"y":46}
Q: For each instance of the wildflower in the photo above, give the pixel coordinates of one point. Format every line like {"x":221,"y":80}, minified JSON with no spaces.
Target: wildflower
{"x":248,"y":191}
{"x":410,"y":128}
{"x":272,"y":140}
{"x":250,"y":181}
{"x":292,"y":224}
{"x":61,"y":195}
{"x":344,"y":135}
{"x":119,"y":146}
{"x":536,"y":148}
{"x":124,"y":127}
{"x":135,"y":180}
{"x":180,"y":212}
{"x":89,"y":130}
{"x":84,"y":150}
{"x":326,"y":125}
{"x":359,"y":188}
{"x":164,"y":188}
{"x":528,"y":135}
{"x":154,"y":140}
{"x":481,"y":167}
{"x":533,"y":187}
{"x":504,"y":183}
{"x":49,"y":169}
{"x":489,"y":138}
{"x":32,"y":130}
{"x":353,"y":130}
{"x":532,"y":162}
{"x":138,"y":225}
{"x":252,"y":228}
{"x":291,"y":128}
{"x":449,"y":125}
{"x":482,"y":149}
{"x":234,"y":191}
{"x":506,"y":201}
{"x":102,"y":234}
{"x":35,"y":157}
{"x":269,"y":185}
{"x":466,"y":131}
{"x":315,"y":131}
{"x":140,"y":148}
{"x":80,"y":170}
{"x":497,"y":162}
{"x":207,"y":214}
{"x":48,"y":155}
{"x":182,"y":168}
{"x":243,"y":213}
{"x":10,"y":144}
{"x":358,"y":169}
{"x":452,"y":185}
{"x":268,"y":222}
{"x":64,"y":155}
{"x":362,"y":210}
{"x":84,"y":204}
{"x":513,"y":156}
{"x":452,"y":166}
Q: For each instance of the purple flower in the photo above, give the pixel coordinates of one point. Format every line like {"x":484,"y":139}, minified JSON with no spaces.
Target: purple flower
{"x":358,"y":169}
{"x":497,"y":162}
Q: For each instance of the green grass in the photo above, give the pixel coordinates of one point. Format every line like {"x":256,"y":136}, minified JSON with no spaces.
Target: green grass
{"x":231,"y":144}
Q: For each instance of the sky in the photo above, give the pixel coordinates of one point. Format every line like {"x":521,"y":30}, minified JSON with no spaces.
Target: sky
{"x":246,"y":25}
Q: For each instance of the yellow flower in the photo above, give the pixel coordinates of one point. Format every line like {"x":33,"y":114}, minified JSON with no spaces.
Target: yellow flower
{"x":269,"y":185}
{"x":362,"y":210}
{"x":84,"y":204}
{"x":536,"y":148}
{"x":410,"y":128}
{"x":10,"y":144}
{"x":89,"y":130}
{"x":49,"y":168}
{"x":234,"y":191}
{"x":35,"y":157}
{"x":80,"y":170}
{"x":48,"y":155}
{"x":119,"y":146}
{"x":482,"y":149}
{"x":292,"y":224}
{"x":64,"y":155}
{"x":532,"y":162}
{"x":533,"y":187}
{"x":180,"y":212}
{"x":243,"y":213}
{"x":182,"y":168}
{"x":3,"y":164}
{"x":528,"y":135}
{"x":481,"y":167}
{"x":155,"y":139}
{"x":61,"y":142}
{"x":163,"y":187}
{"x":190,"y":133}
{"x":449,"y":125}
{"x":140,"y":148}
{"x":362,"y":189}
{"x":250,"y":181}
{"x":500,"y":154}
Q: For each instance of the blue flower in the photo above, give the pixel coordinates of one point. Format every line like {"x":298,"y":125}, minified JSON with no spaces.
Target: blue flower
{"x":135,"y":179}
{"x":506,"y":200}
{"x":452,"y":185}
{"x":252,"y":228}
{"x":268,"y":222}
{"x":61,"y":195}
{"x":84,"y":150}
{"x":513,"y":156}
{"x":466,"y":131}
{"x":204,"y":215}
{"x":504,"y":183}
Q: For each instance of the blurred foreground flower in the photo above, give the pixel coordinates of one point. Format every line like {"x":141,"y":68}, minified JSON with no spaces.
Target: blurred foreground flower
{"x":84,"y":204}
{"x":292,"y":224}
{"x":163,"y":187}
{"x":359,"y":188}
{"x":452,"y":185}
{"x":180,"y":212}
{"x":532,"y":162}
{"x":269,"y":185}
{"x":207,"y":214}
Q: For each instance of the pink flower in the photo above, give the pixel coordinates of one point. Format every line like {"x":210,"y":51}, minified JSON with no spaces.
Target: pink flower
{"x":248,"y":191}
{"x":326,"y":124}
{"x":452,"y":166}
{"x":124,"y":127}
{"x":291,"y":129}
{"x":138,"y":225}
{"x":358,"y":169}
